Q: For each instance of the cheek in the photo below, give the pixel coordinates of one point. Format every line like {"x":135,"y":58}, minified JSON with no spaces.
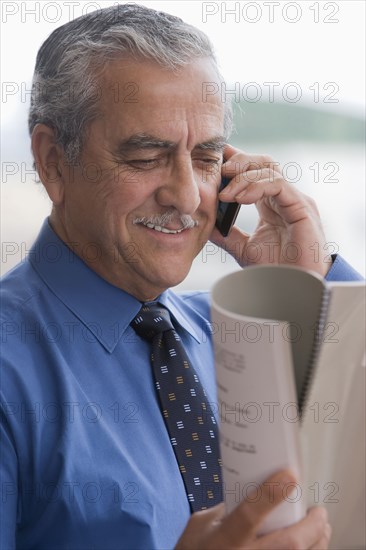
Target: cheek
{"x":209,"y":199}
{"x":123,"y":194}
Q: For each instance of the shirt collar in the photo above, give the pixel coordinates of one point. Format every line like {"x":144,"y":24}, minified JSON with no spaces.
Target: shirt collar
{"x":105,"y":309}
{"x":183,"y":314}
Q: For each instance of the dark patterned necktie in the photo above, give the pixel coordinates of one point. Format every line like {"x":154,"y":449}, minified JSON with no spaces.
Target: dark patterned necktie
{"x":188,"y":417}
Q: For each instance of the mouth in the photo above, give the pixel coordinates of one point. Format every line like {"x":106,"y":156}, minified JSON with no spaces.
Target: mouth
{"x":163,"y":229}
{"x":168,"y":223}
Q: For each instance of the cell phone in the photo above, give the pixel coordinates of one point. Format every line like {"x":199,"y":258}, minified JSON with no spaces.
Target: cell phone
{"x":227,"y":212}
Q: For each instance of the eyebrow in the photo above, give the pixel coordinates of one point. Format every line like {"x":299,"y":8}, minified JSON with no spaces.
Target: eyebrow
{"x":148,"y":141}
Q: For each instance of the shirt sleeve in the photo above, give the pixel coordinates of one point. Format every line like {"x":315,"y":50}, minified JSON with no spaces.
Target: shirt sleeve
{"x":342,"y":271}
{"x":8,"y":484}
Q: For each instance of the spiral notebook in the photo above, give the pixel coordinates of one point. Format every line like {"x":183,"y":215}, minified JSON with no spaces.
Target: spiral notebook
{"x":290,"y":366}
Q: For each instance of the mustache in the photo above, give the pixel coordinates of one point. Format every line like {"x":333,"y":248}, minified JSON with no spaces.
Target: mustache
{"x":167,"y":217}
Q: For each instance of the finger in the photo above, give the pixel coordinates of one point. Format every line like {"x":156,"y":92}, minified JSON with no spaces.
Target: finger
{"x":251,"y":184}
{"x":245,"y":519}
{"x":237,"y":161}
{"x":309,"y":532}
{"x":234,"y":244}
{"x":213,"y":514}
{"x":323,"y":543}
{"x":292,"y":205}
{"x":229,"y":151}
{"x":254,"y":192}
{"x":201,"y":526}
{"x":207,"y":520}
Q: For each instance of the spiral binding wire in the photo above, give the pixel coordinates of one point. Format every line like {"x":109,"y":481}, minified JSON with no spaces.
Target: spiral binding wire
{"x":322,"y":317}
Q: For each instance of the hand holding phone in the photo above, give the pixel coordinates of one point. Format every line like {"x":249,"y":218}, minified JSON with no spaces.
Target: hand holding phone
{"x":227,"y":212}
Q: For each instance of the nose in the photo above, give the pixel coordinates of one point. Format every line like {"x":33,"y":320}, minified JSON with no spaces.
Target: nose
{"x":180,"y":189}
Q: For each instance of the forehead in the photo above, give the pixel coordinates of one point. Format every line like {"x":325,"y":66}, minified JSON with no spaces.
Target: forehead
{"x":142,"y":97}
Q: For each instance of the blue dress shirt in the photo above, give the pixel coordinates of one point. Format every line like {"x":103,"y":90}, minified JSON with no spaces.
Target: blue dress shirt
{"x":86,"y":460}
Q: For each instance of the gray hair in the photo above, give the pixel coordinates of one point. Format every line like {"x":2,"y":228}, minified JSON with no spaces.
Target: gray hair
{"x":74,"y":56}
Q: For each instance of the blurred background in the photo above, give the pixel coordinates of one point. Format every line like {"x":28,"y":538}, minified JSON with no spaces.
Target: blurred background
{"x":296,"y":73}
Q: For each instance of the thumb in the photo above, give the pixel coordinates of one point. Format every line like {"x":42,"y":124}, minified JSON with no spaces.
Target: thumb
{"x":234,"y":244}
{"x":249,"y":514}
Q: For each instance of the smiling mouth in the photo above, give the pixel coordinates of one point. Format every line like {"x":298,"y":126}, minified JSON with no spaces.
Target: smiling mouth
{"x":163,"y":229}
{"x":164,"y":223}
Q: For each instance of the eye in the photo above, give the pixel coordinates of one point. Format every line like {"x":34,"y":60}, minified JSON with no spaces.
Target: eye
{"x":209,"y":160}
{"x":144,"y":163}
{"x":208,"y":163}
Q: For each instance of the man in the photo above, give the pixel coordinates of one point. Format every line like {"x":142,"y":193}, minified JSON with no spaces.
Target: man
{"x":131,"y":155}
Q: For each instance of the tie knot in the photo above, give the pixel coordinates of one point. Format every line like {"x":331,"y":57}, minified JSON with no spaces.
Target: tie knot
{"x":152,"y":319}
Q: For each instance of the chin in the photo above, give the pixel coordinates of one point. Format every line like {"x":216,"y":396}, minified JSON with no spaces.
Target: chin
{"x":168,"y":280}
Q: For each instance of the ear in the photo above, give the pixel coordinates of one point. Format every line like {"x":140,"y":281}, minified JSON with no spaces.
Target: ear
{"x":49,"y":159}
